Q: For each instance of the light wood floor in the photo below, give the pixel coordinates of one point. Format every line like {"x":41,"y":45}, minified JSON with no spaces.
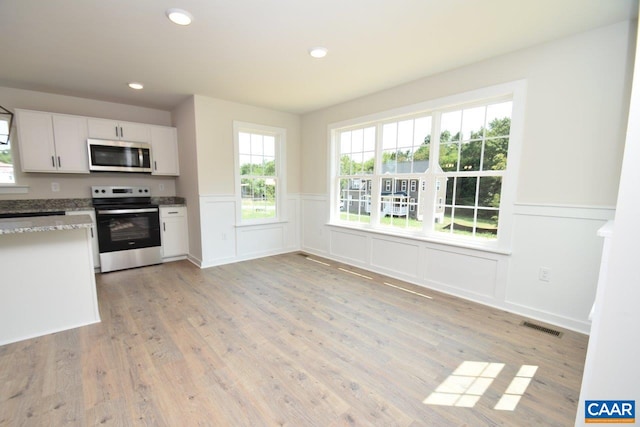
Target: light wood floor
{"x":281,"y":341}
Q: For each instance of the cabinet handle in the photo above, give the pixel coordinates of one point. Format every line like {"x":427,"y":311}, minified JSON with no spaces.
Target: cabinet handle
{"x":172,"y":212}
{"x":53,"y":161}
{"x":164,"y":226}
{"x":117,"y":131}
{"x":91,"y":232}
{"x":121,"y":132}
{"x":59,"y":162}
{"x":155,"y":165}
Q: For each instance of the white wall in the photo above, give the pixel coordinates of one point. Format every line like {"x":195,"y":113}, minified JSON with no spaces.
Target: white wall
{"x":78,"y":185}
{"x":575,"y":113}
{"x":611,"y":367}
{"x":210,"y":153}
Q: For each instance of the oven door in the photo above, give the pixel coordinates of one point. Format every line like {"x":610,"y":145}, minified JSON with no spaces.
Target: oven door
{"x":121,"y":229}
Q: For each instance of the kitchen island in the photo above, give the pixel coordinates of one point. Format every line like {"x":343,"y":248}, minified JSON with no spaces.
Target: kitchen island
{"x":47,"y":281}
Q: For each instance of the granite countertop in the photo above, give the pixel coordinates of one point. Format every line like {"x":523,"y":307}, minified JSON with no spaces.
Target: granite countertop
{"x":44,"y":223}
{"x":65,"y":205}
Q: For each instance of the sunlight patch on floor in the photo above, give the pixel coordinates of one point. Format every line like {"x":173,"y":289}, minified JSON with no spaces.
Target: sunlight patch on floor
{"x":469,"y":382}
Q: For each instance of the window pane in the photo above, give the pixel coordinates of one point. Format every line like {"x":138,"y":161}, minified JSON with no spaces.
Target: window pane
{"x":269,"y":146}
{"x":244,"y":140}
{"x":487,"y":224}
{"x":466,"y":191}
{"x":345,"y":142}
{"x":269,"y":166}
{"x":449,"y":157}
{"x":256,"y":165}
{"x":256,"y":144}
{"x":463,"y":221}
{"x":345,"y":164}
{"x":499,"y":119}
{"x":258,"y":198}
{"x":370,"y":139}
{"x":495,"y":154}
{"x":245,"y":164}
{"x":357,"y":143}
{"x":473,"y":123}
{"x":405,"y":133}
{"x":422,"y":140}
{"x":489,"y":191}
{"x":355,"y":200}
{"x":470,"y":153}
{"x":389,"y":163}
{"x":357,"y":166}
{"x":368,"y":162}
{"x":450,"y":184}
{"x":400,"y":203}
{"x":390,"y":136}
{"x":450,"y":126}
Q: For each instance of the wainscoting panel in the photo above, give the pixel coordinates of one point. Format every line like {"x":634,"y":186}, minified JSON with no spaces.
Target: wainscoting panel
{"x":258,"y":240}
{"x":467,"y":273}
{"x":224,"y":242}
{"x":217,"y":219}
{"x":349,"y":247}
{"x":313,"y":221}
{"x":396,"y":258}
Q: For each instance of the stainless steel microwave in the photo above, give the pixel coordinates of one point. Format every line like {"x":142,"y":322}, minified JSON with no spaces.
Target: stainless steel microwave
{"x":119,"y":156}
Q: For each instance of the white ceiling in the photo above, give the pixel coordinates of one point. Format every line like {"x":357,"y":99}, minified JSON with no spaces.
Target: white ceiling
{"x":255,"y":51}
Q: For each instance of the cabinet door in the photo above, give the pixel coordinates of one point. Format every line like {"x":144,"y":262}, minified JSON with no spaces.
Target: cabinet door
{"x":103,"y":129}
{"x":35,"y":137}
{"x":164,"y":150}
{"x":134,"y":132}
{"x":175,"y":237}
{"x":94,"y":235}
{"x":70,"y":136}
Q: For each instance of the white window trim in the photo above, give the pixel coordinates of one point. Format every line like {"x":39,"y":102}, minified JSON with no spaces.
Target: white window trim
{"x":13,"y":189}
{"x":280,"y":135}
{"x":516,"y":91}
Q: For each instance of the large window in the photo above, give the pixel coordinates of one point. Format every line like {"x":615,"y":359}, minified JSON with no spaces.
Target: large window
{"x":440,"y":169}
{"x":258,"y":171}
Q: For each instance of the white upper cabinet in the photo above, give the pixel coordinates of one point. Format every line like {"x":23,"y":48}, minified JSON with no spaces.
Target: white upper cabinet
{"x":111,"y":129}
{"x":164,"y":150}
{"x":52,"y":142}
{"x":70,"y":135}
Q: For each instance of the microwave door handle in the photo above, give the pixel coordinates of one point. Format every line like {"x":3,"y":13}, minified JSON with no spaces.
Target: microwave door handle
{"x":140,"y":157}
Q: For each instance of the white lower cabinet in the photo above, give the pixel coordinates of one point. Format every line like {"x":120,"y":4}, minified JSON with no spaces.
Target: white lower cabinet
{"x":175,"y":232}
{"x":94,"y":234}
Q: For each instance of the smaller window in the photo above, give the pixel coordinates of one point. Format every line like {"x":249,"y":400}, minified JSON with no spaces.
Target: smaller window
{"x":414,"y":185}
{"x":387,"y":185}
{"x":403,"y":185}
{"x":258,"y":171}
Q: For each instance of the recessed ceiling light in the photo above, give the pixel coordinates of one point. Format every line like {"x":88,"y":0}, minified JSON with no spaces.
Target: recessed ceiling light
{"x":136,"y":85}
{"x":318,"y":52}
{"x":179,"y":16}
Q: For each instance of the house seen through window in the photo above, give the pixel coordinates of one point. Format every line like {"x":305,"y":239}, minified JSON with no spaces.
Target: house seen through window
{"x":390,"y":175}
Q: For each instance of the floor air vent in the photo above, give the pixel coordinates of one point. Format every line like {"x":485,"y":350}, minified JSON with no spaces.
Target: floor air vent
{"x":541,"y":329}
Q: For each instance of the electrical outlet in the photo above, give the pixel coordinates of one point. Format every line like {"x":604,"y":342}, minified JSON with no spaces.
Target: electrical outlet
{"x":544,"y":274}
{"x":55,"y":187}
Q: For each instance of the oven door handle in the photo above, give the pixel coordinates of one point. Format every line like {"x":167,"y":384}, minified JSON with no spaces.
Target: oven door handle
{"x":126,"y":211}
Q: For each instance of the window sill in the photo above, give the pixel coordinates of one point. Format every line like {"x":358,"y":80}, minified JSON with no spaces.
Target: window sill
{"x":458,"y":243}
{"x":13,"y":189}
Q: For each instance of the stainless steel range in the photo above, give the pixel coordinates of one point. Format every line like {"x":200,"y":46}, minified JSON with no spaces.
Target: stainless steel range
{"x":128,"y":227}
